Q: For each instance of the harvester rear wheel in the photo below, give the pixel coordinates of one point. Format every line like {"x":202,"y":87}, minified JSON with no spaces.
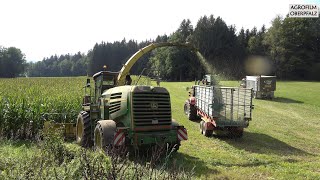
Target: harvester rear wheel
{"x":104,"y":134}
{"x":83,"y":129}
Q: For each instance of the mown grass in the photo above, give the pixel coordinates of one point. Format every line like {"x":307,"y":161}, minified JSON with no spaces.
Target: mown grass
{"x":282,"y":141}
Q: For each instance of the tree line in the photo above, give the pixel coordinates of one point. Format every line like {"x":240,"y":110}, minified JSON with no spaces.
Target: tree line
{"x":63,"y":65}
{"x":12,"y":62}
{"x":290,"y":45}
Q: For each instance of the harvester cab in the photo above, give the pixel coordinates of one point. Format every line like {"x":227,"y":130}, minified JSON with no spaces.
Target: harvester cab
{"x":103,"y":80}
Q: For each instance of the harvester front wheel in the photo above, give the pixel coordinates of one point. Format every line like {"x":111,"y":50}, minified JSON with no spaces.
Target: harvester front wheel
{"x":83,"y":129}
{"x":104,"y":134}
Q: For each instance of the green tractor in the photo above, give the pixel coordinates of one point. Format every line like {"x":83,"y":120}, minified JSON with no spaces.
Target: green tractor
{"x":117,"y":113}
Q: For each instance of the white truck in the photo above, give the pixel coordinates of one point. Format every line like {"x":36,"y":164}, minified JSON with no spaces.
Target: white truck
{"x":224,"y":110}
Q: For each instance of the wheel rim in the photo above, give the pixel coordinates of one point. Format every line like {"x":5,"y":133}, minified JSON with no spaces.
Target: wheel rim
{"x":97,"y":140}
{"x":80,"y":130}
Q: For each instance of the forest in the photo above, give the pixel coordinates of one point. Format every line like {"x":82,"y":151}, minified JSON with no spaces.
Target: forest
{"x":291,"y":45}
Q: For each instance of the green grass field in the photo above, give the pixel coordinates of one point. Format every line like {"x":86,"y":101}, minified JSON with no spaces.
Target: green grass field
{"x":281,"y":142}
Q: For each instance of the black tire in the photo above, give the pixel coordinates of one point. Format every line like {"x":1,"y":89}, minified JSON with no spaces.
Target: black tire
{"x":83,"y":130}
{"x":191,"y":111}
{"x":204,"y":131}
{"x":208,"y":133}
{"x":104,"y":134}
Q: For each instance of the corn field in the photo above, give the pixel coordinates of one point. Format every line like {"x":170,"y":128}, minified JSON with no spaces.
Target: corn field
{"x":24,"y":101}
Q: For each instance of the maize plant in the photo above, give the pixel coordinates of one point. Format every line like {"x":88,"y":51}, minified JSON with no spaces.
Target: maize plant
{"x":23,"y":101}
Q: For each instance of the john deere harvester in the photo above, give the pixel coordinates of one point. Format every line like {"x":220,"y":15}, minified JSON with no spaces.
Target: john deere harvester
{"x":116,"y":113}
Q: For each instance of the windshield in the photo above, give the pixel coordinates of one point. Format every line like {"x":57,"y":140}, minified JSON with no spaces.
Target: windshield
{"x":108,"y":80}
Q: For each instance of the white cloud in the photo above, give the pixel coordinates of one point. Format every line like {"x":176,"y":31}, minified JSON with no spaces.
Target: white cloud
{"x":42,"y":28}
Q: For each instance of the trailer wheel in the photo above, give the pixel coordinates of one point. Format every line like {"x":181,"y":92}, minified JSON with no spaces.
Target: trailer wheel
{"x":83,"y":129}
{"x":204,"y":131}
{"x":104,"y":134}
{"x":201,"y":126}
{"x":208,"y":133}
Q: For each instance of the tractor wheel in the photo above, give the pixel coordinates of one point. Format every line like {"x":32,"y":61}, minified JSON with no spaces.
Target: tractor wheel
{"x":104,"y":134}
{"x":235,"y":132}
{"x":83,"y":129}
{"x":190,"y":111}
{"x":208,"y":133}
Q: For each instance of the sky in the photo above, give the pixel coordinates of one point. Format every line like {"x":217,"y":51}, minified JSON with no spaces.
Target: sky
{"x":41,"y":28}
